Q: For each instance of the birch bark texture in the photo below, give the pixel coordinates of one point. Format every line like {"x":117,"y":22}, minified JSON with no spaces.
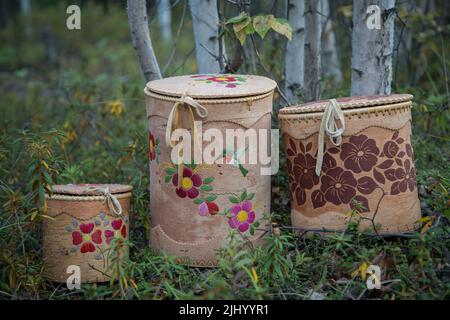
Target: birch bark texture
{"x":295,"y":50}
{"x":313,"y":36}
{"x":140,"y":36}
{"x":331,"y":66}
{"x":205,"y":21}
{"x":372,"y":48}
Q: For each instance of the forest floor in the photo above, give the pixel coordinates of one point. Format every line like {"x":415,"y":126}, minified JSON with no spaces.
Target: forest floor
{"x":73,"y":110}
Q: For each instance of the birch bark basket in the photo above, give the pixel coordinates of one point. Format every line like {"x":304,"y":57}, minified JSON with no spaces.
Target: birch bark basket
{"x":295,"y":50}
{"x":372,"y":48}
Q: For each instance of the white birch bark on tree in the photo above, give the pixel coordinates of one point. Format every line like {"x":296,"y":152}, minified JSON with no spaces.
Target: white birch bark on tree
{"x":205,"y":21}
{"x":313,"y":35}
{"x":295,"y":50}
{"x":330,"y":59}
{"x":372,"y":48}
{"x":140,"y":36}
{"x":165,"y":19}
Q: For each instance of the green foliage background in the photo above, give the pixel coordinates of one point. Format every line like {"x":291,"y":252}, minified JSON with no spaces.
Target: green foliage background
{"x":72,"y":110}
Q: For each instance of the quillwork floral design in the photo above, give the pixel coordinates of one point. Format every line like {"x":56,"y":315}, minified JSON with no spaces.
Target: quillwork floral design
{"x":366,"y":167}
{"x":228,"y":81}
{"x":90,"y":236}
{"x":154,"y":147}
{"x":87,"y":237}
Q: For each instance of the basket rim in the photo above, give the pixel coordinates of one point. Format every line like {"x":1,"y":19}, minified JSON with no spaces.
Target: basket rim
{"x":346,"y":103}
{"x":88,"y":189}
{"x":174,"y":87}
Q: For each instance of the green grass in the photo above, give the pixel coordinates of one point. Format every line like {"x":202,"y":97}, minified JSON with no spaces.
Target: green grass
{"x":81,"y":118}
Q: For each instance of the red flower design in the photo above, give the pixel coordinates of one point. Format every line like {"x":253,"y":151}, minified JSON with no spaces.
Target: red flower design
{"x":151,"y":140}
{"x":359,"y":154}
{"x":221,"y":79}
{"x":120,"y":231}
{"x":338,"y":186}
{"x":87,"y":237}
{"x":190,"y":182}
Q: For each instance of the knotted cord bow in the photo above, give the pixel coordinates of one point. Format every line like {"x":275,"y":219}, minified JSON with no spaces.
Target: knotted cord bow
{"x":111,"y":200}
{"x":185,"y":103}
{"x":329,"y":126}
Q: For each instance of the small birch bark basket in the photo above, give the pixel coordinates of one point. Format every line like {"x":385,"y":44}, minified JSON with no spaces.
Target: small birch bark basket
{"x":194,"y":207}
{"x":352,"y":158}
{"x":84,"y":221}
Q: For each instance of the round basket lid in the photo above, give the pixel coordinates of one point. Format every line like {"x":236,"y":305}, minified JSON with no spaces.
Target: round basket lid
{"x":212,"y":85}
{"x":348,"y":103}
{"x":89,"y":189}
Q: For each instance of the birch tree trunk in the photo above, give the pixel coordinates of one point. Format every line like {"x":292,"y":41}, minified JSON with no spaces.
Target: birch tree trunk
{"x":313,"y":35}
{"x":142,"y":43}
{"x":372,"y":48}
{"x":165,"y":19}
{"x":205,"y":21}
{"x":295,"y":50}
{"x":330,"y":59}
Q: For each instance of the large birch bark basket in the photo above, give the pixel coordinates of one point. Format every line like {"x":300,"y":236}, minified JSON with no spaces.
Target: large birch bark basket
{"x":195,"y":206}
{"x":86,"y":222}
{"x":367,"y":171}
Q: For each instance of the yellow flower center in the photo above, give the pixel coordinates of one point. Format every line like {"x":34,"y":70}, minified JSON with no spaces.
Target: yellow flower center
{"x":117,"y":234}
{"x":86,"y":237}
{"x":186,"y":183}
{"x":221,"y":78}
{"x":242,"y":216}
{"x":151,"y":145}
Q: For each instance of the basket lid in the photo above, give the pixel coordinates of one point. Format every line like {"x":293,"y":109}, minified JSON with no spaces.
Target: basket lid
{"x":89,"y":189}
{"x":348,"y":103}
{"x":212,"y":85}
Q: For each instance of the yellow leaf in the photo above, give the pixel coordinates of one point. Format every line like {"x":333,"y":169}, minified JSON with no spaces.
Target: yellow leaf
{"x":241,"y":25}
{"x":426,"y":227}
{"x":283,"y":27}
{"x":116,"y":107}
{"x":254,"y":275}
{"x":262,"y":24}
{"x":363,"y":270}
{"x":425,"y":219}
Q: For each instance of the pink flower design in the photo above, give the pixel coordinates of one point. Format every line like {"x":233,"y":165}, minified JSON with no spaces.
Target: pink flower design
{"x":120,"y":231}
{"x":207,"y":207}
{"x":243,"y":216}
{"x":87,"y":237}
{"x":190,"y":182}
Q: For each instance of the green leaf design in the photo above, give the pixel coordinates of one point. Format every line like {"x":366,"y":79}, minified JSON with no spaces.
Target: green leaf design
{"x":243,"y":170}
{"x":243,"y":196}
{"x":252,"y":230}
{"x":206,"y":188}
{"x":250,"y":196}
{"x":167,"y":179}
{"x":256,"y":224}
{"x":282,"y":27}
{"x":170,"y":171}
{"x":198,"y":201}
{"x":208,"y":180}
{"x":262,"y":24}
{"x":233,"y":199}
{"x":211,"y":197}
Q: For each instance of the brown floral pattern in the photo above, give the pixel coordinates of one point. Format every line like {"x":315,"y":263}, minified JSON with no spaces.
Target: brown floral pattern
{"x":359,"y":154}
{"x":366,"y":167}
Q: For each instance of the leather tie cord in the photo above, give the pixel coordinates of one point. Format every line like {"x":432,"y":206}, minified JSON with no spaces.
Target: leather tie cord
{"x":184,"y":104}
{"x":329,"y":125}
{"x":111,"y":200}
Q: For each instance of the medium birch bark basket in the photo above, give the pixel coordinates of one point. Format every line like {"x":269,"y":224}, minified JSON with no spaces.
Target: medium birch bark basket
{"x":351,"y":158}
{"x":195,"y":206}
{"x":84,"y":220}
